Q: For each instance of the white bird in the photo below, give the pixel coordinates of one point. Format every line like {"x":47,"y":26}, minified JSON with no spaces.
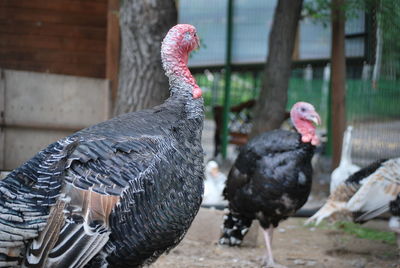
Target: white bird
{"x":365,"y":194}
{"x":213,"y":185}
{"x":346,"y":167}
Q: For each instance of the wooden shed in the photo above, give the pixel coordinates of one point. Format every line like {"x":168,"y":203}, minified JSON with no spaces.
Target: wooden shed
{"x":72,"y":37}
{"x":58,"y":68}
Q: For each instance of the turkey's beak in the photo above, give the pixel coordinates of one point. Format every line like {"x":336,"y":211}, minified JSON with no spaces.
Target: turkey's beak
{"x":314,"y":117}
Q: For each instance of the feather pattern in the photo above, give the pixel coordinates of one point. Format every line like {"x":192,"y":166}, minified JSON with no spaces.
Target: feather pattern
{"x":101,"y":176}
{"x":376,"y":192}
{"x":365,"y":194}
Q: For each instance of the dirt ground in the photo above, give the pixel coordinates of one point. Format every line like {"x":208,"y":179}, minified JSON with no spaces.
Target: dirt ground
{"x":294,"y":245}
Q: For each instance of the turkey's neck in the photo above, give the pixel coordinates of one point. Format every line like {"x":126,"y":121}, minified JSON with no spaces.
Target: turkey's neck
{"x":185,"y":105}
{"x":175,"y":61}
{"x":346,"y":148}
{"x":182,"y":83}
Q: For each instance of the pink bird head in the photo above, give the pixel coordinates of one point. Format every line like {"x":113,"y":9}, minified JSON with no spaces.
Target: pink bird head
{"x":186,"y":37}
{"x":176,"y":46}
{"x":305,"y":119}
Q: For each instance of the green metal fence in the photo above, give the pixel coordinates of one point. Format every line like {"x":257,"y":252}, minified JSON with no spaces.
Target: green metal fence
{"x":373,"y":77}
{"x":363,"y":100}
{"x":372,"y":108}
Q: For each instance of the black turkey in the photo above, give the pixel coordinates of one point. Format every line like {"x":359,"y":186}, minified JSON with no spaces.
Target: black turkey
{"x":118,"y":193}
{"x":271,"y":178}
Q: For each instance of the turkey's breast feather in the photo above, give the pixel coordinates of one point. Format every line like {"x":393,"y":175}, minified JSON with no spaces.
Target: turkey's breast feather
{"x":271,"y":177}
{"x":63,"y":198}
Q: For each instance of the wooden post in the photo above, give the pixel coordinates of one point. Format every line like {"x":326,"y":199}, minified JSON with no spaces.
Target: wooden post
{"x":113,"y":46}
{"x":2,"y":118}
{"x":338,"y":80}
{"x":227,"y":90}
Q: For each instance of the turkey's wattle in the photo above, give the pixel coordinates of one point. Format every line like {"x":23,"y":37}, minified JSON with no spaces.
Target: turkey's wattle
{"x":118,"y":193}
{"x":271,"y":178}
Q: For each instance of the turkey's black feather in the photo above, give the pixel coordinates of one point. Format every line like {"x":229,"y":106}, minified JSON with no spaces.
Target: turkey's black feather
{"x":358,"y":176}
{"x":270,"y":179}
{"x":150,"y":160}
{"x":394,"y":206}
{"x":116,"y":194}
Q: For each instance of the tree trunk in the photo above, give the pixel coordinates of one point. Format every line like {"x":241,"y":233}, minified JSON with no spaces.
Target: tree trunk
{"x":270,"y":110}
{"x":142,"y":82}
{"x":338,"y":79}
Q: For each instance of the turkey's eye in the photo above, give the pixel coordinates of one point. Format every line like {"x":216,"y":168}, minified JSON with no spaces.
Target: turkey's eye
{"x":302,"y":109}
{"x":195,"y":34}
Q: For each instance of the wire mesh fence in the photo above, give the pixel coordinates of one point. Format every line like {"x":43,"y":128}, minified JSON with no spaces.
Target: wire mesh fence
{"x":372,"y":86}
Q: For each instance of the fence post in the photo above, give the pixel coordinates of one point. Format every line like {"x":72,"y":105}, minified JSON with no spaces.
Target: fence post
{"x":227,"y":91}
{"x":113,"y":47}
{"x":2,"y":119}
{"x":338,"y":80}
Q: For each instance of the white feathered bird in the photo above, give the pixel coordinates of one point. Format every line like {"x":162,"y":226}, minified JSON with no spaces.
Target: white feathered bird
{"x":213,"y":185}
{"x":346,"y":167}
{"x":365,"y":194}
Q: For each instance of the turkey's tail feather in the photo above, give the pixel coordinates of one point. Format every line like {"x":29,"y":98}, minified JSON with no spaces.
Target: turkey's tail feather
{"x":336,"y":203}
{"x":234,"y":228}
{"x":371,"y":214}
{"x":7,"y":261}
{"x":330,"y":209}
{"x":367,"y":192}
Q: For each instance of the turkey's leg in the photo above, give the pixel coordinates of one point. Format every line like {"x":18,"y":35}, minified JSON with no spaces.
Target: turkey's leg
{"x":269,"y":258}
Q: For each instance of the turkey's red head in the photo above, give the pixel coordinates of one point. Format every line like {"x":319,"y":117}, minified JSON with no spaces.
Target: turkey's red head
{"x":305,"y":118}
{"x":176,"y":46}
{"x":187,"y":37}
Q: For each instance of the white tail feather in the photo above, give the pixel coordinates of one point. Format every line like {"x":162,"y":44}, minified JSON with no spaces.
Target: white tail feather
{"x":378,"y":189}
{"x":330,"y":208}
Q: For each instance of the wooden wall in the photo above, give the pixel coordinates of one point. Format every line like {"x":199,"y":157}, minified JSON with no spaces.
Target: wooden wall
{"x":55,"y":36}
